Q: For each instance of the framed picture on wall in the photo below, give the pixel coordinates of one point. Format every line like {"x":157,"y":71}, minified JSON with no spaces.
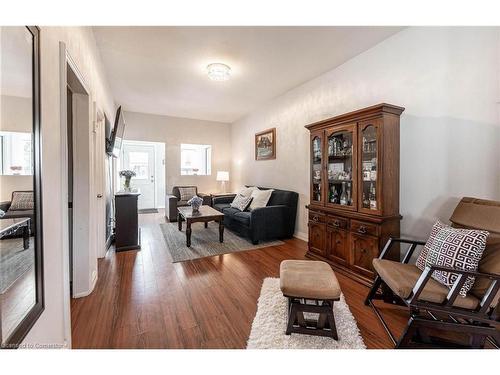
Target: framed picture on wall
{"x":265,"y":145}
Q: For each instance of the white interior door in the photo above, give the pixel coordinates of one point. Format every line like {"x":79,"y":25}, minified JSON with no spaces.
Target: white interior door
{"x":100,"y":185}
{"x":141,"y":160}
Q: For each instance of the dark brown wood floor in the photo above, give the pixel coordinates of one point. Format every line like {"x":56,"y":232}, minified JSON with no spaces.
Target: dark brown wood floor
{"x":143,"y":300}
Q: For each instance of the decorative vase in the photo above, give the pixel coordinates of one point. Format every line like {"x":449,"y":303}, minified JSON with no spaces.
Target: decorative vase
{"x":126,"y":184}
{"x":195,"y":203}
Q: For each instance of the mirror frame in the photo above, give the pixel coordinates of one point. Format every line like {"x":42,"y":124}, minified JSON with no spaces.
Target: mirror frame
{"x":22,"y":329}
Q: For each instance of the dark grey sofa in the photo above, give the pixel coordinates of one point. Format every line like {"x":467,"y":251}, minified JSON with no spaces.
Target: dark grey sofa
{"x":275,"y":221}
{"x":172,"y":201}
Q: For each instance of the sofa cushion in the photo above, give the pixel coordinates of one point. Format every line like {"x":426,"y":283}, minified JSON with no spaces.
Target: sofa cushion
{"x":490,"y":263}
{"x":182,"y":203}
{"x":455,"y":248}
{"x":401,"y":278}
{"x":22,"y":200}
{"x":230,"y":211}
{"x":221,"y":206}
{"x":242,"y":217}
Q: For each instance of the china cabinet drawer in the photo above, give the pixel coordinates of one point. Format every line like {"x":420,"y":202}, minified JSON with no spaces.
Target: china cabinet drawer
{"x":337,"y":222}
{"x":363,"y":250}
{"x":316,"y":217}
{"x":364,"y":228}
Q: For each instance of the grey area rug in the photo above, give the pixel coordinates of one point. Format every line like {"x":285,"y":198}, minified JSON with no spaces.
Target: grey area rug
{"x":269,"y":324}
{"x":14,"y":261}
{"x":148,"y":211}
{"x":205,"y":242}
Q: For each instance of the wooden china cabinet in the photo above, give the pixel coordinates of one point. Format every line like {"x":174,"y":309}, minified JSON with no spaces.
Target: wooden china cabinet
{"x":354,"y":205}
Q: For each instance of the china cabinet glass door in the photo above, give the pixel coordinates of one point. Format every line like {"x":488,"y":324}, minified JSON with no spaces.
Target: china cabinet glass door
{"x":317,"y":168}
{"x":369,"y":146}
{"x":341,"y":167}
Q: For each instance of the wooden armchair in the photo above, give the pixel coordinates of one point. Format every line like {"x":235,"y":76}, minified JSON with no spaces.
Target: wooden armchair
{"x":440,"y":317}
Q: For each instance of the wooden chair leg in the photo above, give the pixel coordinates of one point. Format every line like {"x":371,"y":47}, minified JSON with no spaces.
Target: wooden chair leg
{"x":407,"y":335}
{"x":373,"y":290}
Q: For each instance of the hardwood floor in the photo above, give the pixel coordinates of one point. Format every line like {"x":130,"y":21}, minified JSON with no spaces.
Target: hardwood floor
{"x":143,"y":300}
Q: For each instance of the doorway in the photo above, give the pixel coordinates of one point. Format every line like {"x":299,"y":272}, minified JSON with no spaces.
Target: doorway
{"x":147,"y":160}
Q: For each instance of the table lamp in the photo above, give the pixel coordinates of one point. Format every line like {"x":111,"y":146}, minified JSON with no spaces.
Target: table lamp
{"x":223,"y":176}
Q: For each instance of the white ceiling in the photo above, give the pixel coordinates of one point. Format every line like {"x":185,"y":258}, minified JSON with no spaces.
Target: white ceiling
{"x":162,"y":70}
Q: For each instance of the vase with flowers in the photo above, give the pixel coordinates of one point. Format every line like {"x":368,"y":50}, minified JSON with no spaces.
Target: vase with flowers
{"x":127,"y":174}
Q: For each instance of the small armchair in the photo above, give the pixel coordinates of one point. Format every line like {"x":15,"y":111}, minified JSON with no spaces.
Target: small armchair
{"x":172,"y":201}
{"x":469,"y":321}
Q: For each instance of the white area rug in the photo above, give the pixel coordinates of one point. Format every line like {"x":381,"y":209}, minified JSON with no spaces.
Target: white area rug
{"x":269,"y":325}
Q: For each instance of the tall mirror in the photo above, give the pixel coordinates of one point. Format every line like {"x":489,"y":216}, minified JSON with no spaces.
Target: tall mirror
{"x":21,"y":278}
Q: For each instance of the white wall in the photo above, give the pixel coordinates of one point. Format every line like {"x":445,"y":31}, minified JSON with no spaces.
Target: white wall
{"x":448,"y":81}
{"x":173,"y":131}
{"x":51,"y":326}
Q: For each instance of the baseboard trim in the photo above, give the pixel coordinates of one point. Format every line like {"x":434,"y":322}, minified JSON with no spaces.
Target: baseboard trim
{"x":87,"y":292}
{"x":301,"y":236}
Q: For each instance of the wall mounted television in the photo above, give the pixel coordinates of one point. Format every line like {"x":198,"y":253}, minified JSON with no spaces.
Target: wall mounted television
{"x":114,"y":143}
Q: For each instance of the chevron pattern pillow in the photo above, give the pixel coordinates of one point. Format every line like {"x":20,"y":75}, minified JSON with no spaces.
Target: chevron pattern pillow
{"x":455,"y":248}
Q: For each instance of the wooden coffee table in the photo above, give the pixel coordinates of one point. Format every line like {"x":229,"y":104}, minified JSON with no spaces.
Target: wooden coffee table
{"x":204,"y":215}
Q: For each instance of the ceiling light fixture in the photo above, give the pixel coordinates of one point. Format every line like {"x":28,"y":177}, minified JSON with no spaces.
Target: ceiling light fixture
{"x":218,"y":72}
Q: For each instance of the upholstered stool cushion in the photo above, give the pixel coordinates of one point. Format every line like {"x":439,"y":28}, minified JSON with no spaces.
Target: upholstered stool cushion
{"x":308,"y":279}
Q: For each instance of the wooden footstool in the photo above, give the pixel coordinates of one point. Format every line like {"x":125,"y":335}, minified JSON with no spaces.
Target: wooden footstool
{"x":311,"y":287}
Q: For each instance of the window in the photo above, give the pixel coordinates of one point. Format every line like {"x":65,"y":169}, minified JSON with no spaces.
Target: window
{"x":196,"y":160}
{"x":16,"y":153}
{"x":138,"y":161}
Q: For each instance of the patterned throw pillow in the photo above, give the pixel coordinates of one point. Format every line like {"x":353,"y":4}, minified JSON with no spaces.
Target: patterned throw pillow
{"x":460,"y":249}
{"x":247,"y":191}
{"x":22,"y":200}
{"x":241,"y":202}
{"x":422,"y":257}
{"x":187,"y":193}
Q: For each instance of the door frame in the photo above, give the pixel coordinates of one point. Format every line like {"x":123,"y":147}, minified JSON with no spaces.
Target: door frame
{"x":65,"y":62}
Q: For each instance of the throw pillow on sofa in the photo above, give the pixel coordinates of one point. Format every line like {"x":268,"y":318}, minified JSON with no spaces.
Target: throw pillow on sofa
{"x":260,"y":198}
{"x":247,"y":191}
{"x":455,"y":248}
{"x":241,"y":202}
{"x":22,"y":200}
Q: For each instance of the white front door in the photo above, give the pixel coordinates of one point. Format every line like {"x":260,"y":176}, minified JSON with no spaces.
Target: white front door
{"x":141,"y":160}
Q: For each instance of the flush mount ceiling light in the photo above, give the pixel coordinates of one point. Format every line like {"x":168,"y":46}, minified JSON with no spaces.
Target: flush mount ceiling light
{"x":218,"y":72}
